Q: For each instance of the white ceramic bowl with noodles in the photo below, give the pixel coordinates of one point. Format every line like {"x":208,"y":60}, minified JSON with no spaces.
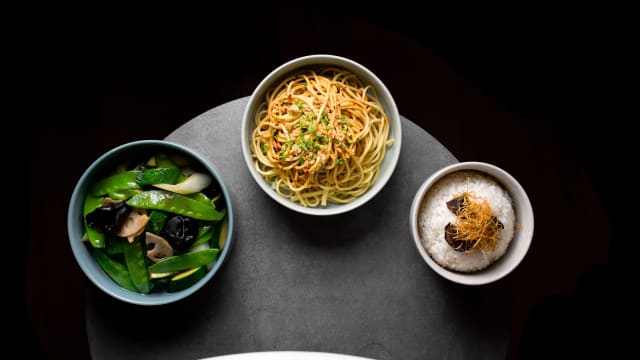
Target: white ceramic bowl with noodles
{"x":501,"y":214}
{"x":312,"y":133}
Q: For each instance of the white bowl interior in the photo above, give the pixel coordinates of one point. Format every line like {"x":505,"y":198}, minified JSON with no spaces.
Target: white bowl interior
{"x":366,"y":76}
{"x":522,"y":237}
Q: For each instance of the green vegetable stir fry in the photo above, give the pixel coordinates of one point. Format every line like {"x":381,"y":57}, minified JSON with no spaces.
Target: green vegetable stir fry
{"x":157,"y":226}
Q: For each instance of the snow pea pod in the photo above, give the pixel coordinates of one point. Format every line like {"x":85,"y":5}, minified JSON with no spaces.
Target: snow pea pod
{"x":158,"y":176}
{"x":123,"y":194}
{"x":114,"y":269}
{"x":199,"y":196}
{"x":157,"y":219}
{"x":204,"y":235}
{"x":176,"y":204}
{"x":184,"y":261}
{"x":118,"y":182}
{"x":96,"y":238}
{"x":135,"y":259}
{"x":114,"y":245}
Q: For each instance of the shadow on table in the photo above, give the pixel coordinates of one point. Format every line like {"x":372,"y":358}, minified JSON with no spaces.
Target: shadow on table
{"x":575,"y":325}
{"x":144,"y":329}
{"x":479,"y":311}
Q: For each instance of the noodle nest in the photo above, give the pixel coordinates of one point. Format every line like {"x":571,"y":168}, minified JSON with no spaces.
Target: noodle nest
{"x":320,"y":136}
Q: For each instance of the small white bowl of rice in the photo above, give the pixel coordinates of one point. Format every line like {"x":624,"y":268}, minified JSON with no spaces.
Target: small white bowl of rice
{"x":472,"y":222}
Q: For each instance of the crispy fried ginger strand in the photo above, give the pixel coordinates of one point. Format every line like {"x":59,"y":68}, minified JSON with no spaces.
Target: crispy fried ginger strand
{"x":475,"y":223}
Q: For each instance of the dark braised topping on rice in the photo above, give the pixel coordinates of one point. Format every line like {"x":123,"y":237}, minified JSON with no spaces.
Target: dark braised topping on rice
{"x":475,"y":226}
{"x":450,"y":234}
{"x":456,"y":205}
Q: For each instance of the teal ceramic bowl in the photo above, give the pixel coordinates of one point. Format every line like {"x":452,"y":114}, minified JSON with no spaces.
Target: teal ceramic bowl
{"x":100,"y":168}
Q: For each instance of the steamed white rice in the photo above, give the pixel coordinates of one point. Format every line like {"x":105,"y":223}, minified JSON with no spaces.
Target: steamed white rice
{"x":434,"y":216}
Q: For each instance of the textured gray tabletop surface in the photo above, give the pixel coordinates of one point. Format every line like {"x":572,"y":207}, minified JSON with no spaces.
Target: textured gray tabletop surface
{"x":349,"y":284}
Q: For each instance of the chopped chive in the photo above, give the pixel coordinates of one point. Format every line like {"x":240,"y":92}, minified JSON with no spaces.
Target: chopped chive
{"x":325,"y":119}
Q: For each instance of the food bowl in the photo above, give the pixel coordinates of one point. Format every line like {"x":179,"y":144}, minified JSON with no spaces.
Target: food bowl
{"x":185,"y":209}
{"x":458,"y":235}
{"x":319,"y":139}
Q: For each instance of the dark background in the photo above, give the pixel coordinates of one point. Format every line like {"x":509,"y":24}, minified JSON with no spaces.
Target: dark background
{"x":530,"y":90}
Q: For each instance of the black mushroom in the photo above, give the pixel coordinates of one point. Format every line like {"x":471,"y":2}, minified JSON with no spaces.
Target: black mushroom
{"x":450,"y":235}
{"x":456,"y":205}
{"x":109,"y":218}
{"x":181,"y":231}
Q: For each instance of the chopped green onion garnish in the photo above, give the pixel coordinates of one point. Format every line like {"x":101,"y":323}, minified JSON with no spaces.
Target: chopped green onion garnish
{"x":325,"y":119}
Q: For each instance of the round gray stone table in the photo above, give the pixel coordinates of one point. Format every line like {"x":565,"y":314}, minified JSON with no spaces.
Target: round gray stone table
{"x":350,"y":284}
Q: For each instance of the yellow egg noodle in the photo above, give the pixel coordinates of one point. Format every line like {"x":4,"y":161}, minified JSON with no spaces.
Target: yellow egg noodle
{"x":320,"y":136}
